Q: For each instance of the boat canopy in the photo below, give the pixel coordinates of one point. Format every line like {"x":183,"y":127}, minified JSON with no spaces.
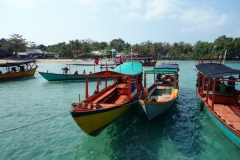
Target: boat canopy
{"x":162,"y":71}
{"x":214,"y":70}
{"x":108,"y":74}
{"x":108,"y":64}
{"x":18,"y":63}
{"x":82,"y":64}
{"x":129,"y":68}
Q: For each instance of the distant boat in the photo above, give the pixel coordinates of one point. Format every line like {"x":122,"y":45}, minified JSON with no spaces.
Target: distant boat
{"x":163,"y":92}
{"x":68,"y":76}
{"x":99,"y":110}
{"x":146,"y":61}
{"x":219,"y":96}
{"x":17,"y":69}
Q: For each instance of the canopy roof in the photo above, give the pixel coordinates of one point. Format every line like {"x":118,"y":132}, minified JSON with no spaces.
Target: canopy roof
{"x":18,"y":63}
{"x":162,"y":71}
{"x":129,"y":68}
{"x":214,"y":70}
{"x":83,"y":64}
{"x":108,"y":64}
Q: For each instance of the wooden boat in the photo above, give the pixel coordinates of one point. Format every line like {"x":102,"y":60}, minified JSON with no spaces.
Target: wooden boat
{"x":62,"y":77}
{"x":146,"y":61}
{"x":219,"y":97}
{"x":67,"y":75}
{"x":17,"y":69}
{"x":163,"y":92}
{"x":99,"y":110}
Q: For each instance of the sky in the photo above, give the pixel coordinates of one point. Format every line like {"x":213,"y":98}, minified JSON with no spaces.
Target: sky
{"x":50,"y":22}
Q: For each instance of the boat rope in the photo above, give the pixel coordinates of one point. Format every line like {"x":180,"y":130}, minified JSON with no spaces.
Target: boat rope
{"x":33,"y":123}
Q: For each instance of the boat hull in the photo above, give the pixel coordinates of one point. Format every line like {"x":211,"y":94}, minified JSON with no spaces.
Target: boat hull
{"x":149,"y":63}
{"x":225,"y":130}
{"x":93,"y":122}
{"x":18,"y":74}
{"x":153,"y":109}
{"x":63,"y":77}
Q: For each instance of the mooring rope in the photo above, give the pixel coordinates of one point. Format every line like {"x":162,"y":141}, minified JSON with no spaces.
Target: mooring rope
{"x":46,"y":119}
{"x":33,"y":123}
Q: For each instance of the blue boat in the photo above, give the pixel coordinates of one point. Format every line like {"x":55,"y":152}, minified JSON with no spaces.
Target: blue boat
{"x":216,"y":87}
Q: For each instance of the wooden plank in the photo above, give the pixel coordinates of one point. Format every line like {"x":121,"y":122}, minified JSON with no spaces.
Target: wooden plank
{"x":103,"y":95}
{"x":121,"y":99}
{"x":226,"y":114}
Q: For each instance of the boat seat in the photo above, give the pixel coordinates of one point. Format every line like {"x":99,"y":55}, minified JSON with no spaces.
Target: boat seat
{"x":103,"y":95}
{"x":121,"y":99}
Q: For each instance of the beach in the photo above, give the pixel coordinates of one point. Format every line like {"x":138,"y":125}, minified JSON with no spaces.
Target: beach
{"x":50,"y":60}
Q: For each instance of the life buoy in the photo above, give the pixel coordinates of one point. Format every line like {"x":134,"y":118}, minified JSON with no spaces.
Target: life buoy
{"x":201,"y":106}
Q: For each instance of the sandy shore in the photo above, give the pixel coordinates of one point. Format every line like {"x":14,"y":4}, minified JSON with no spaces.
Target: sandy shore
{"x":51,"y":60}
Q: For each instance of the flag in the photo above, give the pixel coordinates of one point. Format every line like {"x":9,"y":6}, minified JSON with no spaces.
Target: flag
{"x":120,"y":60}
{"x":96,"y":60}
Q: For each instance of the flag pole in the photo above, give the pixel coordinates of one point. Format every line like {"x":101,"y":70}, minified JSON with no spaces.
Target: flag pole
{"x":94,"y":65}
{"x":224,"y":56}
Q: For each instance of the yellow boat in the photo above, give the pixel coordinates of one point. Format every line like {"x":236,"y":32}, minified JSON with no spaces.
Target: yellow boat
{"x":17,"y":69}
{"x":96,"y":112}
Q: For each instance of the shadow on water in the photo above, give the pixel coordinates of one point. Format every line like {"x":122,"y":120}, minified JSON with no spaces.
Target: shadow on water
{"x":132,"y":136}
{"x":176,"y":131}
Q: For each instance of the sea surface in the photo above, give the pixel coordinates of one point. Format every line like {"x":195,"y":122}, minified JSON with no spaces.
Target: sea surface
{"x":35,"y":114}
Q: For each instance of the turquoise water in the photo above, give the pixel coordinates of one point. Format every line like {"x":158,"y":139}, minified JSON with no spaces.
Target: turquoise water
{"x":182,"y":132}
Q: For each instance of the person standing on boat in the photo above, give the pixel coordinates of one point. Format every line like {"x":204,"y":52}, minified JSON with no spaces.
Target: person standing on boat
{"x":120,"y":60}
{"x":65,"y":70}
{"x":84,"y":72}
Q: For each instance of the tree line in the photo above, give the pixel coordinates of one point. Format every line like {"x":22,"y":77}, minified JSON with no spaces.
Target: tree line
{"x":84,"y":48}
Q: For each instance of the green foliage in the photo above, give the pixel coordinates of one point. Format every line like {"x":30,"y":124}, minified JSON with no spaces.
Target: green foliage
{"x":84,"y":48}
{"x":16,"y":43}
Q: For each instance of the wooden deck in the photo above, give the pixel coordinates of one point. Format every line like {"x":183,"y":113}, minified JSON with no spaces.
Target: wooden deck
{"x":228,"y":115}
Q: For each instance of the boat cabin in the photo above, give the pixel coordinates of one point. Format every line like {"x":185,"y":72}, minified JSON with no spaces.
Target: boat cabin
{"x":217,"y":83}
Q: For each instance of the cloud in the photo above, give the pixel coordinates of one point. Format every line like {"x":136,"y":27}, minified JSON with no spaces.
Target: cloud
{"x":94,"y":5}
{"x":192,"y":16}
{"x":201,"y":20}
{"x":20,"y":3}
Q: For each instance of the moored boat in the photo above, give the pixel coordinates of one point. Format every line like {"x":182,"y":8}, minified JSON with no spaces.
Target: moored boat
{"x":67,"y":75}
{"x":18,"y":69}
{"x":220,"y":98}
{"x":97,"y":111}
{"x":146,"y":61}
{"x":163,"y":91}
